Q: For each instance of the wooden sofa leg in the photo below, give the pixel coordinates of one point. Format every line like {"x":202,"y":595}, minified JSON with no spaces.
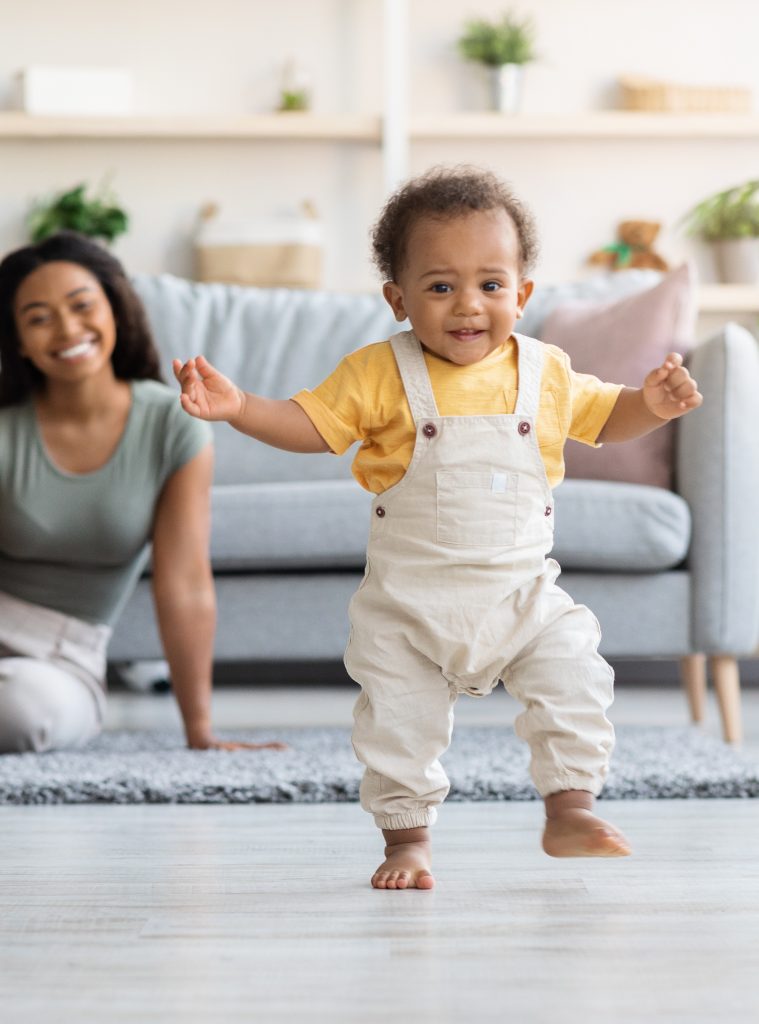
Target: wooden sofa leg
{"x":727,"y":685}
{"x":693,"y":677}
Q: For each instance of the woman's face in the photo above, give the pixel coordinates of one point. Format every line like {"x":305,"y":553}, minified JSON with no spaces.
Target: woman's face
{"x":65,"y":322}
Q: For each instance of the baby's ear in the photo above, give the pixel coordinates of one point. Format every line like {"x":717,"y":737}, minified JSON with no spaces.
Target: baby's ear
{"x":523,"y":294}
{"x":394,"y":298}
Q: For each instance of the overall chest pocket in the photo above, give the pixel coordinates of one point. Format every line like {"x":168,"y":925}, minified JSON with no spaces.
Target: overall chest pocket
{"x":477,"y":509}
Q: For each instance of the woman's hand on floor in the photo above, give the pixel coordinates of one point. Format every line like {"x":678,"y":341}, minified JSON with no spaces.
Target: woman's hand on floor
{"x":211,"y":743}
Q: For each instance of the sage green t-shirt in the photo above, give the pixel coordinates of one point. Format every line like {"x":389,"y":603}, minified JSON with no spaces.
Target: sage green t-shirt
{"x":78,"y":542}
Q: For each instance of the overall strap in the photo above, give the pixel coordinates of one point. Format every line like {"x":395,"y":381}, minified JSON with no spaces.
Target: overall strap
{"x":413,"y":370}
{"x":530,"y":371}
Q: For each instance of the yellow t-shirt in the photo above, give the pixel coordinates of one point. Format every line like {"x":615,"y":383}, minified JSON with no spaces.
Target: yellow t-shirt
{"x":364,"y":400}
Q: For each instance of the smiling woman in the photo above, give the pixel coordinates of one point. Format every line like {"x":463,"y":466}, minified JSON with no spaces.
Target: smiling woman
{"x":97,"y":461}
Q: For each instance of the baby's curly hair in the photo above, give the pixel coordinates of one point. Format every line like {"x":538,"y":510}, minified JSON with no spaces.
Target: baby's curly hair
{"x":445,"y":192}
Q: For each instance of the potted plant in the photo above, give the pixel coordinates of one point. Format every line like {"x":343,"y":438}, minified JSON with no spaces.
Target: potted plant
{"x":97,"y":217}
{"x":295,"y":93}
{"x":504,"y":47}
{"x":729,"y":222}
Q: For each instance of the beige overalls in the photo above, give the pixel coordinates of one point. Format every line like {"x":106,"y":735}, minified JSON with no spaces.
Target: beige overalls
{"x":458,"y":595}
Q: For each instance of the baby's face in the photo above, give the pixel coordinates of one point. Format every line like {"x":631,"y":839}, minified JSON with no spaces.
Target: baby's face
{"x":461,"y":285}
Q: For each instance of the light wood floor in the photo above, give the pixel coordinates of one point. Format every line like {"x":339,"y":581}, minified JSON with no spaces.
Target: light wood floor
{"x":263,"y":913}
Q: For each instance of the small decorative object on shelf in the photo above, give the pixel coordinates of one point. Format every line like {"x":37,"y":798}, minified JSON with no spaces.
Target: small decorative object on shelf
{"x":74,"y":91}
{"x":296,"y":88}
{"x":633,"y":249}
{"x":649,"y":94}
{"x":729,"y":222}
{"x":270,"y":252}
{"x":504,"y":47}
{"x":98,"y":217}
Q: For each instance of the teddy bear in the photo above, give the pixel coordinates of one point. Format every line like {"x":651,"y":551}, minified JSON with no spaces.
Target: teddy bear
{"x":633,"y":250}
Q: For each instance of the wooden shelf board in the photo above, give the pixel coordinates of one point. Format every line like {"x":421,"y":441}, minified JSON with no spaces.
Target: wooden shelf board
{"x":728,"y":298}
{"x":286,"y":126}
{"x":368,"y":128}
{"x":598,"y":125}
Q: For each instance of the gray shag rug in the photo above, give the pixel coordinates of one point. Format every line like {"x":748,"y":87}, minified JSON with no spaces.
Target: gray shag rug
{"x":483,"y":763}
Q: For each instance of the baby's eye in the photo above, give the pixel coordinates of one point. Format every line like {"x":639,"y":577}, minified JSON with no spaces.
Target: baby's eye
{"x":491,"y":286}
{"x":440,"y":288}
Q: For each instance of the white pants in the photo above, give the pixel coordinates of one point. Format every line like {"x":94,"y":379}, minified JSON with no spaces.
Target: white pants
{"x":52,"y":670}
{"x":404,"y":716}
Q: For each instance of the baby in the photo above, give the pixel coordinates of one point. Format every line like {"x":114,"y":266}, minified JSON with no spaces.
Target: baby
{"x":462,"y":424}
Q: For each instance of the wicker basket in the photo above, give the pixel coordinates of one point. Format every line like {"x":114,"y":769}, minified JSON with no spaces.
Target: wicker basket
{"x":283,"y":252}
{"x":653,"y":95}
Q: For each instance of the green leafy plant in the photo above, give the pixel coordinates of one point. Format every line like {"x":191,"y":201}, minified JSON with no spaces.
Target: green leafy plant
{"x":508,"y":41}
{"x":97,"y":216}
{"x":293,"y":99}
{"x":730,"y":214}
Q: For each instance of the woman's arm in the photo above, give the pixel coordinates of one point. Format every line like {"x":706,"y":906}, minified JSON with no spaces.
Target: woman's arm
{"x":184,"y":595}
{"x":281,"y":423}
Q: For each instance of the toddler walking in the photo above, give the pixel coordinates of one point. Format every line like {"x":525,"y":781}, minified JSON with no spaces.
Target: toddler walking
{"x":462,"y":423}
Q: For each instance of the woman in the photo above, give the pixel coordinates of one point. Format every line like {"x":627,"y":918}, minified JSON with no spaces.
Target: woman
{"x":97,"y":460}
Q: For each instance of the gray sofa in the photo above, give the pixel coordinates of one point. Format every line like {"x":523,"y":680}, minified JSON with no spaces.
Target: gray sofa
{"x":670,"y":574}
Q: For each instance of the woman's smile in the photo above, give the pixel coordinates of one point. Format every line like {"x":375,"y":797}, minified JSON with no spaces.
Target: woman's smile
{"x":79,"y":350}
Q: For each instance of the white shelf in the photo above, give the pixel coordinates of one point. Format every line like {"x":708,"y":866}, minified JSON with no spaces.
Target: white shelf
{"x":728,"y":298}
{"x":293,"y":126}
{"x":598,"y":125}
{"x":368,"y":128}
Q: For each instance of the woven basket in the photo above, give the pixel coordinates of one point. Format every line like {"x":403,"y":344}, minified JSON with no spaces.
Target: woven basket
{"x":265,"y":253}
{"x":653,"y":95}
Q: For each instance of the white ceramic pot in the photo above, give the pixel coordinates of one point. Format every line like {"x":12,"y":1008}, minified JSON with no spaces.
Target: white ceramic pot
{"x":506,"y":87}
{"x":737,"y":260}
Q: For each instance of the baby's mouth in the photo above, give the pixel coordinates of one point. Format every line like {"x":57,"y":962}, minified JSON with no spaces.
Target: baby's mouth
{"x":467,"y":334}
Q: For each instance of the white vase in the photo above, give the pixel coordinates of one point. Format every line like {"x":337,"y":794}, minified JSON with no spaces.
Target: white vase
{"x":506,"y":87}
{"x":737,"y":260}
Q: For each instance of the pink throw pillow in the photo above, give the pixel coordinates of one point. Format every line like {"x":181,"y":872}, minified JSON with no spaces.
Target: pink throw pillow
{"x":622,"y":341}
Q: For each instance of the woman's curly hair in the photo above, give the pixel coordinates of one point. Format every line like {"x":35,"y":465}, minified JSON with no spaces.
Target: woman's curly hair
{"x":445,"y":192}
{"x":134,"y":356}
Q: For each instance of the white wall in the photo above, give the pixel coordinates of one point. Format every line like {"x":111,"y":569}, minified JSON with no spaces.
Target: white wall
{"x":226,"y":57}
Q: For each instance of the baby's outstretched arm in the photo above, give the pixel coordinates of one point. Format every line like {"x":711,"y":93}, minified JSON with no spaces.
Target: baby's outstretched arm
{"x":668,"y":392}
{"x":209,"y":395}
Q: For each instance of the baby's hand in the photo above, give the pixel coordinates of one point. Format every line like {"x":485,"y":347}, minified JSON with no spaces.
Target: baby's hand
{"x":206,"y":393}
{"x":670,"y":391}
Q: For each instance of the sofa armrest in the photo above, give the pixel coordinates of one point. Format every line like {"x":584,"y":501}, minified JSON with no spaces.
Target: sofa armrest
{"x":717,"y":472}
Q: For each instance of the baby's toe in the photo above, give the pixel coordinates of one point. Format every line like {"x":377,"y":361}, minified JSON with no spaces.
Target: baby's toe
{"x":611,"y":842}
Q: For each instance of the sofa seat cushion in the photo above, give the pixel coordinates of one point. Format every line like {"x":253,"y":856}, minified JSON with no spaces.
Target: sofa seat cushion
{"x":618,"y":527}
{"x":324,"y":524}
{"x":314,"y":524}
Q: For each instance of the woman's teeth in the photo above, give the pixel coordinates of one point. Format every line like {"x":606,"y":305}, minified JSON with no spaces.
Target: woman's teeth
{"x":76,"y":350}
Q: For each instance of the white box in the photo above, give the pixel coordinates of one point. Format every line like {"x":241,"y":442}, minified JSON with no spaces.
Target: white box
{"x":72,"y":91}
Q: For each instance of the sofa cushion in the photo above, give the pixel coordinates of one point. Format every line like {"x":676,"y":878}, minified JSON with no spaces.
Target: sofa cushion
{"x":273,"y":341}
{"x":325,"y":524}
{"x":622,"y":341}
{"x":313,"y":524}
{"x":598,"y":287}
{"x":617,"y":527}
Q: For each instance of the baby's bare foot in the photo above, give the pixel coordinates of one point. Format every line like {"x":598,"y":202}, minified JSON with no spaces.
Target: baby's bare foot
{"x":406,"y":866}
{"x":576,"y":832}
{"x":573,"y":830}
